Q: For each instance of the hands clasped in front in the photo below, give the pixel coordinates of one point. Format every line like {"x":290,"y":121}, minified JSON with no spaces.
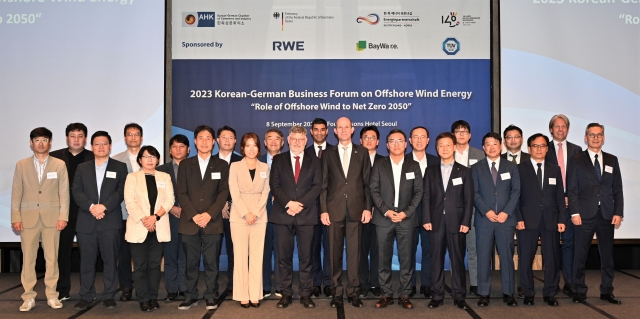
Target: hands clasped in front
{"x":499,"y":218}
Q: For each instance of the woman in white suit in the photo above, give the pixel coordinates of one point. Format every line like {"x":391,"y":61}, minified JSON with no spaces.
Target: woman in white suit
{"x":148,"y":195}
{"x":249,"y":188}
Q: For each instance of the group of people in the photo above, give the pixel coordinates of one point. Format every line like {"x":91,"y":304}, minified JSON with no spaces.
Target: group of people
{"x":327,"y":199}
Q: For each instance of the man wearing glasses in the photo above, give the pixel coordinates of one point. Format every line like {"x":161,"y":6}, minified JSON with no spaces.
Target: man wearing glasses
{"x":594,"y":172}
{"x":133,"y":140}
{"x":467,"y":155}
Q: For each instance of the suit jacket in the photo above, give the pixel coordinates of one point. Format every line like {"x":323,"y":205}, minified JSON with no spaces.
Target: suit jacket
{"x":570,"y":150}
{"x":311,"y":150}
{"x":248,"y":195}
{"x":284,"y":188}
{"x":234,"y":158}
{"x":198,"y":195}
{"x":63,"y":154}
{"x":524,"y":156}
{"x":585,"y":191}
{"x":456,"y":201}
{"x":168,"y":168}
{"x":382,"y":186}
{"x":342,"y":195}
{"x":124,"y":158}
{"x":475,"y":155}
{"x":505,"y":194}
{"x":535,"y":202}
{"x":136,"y":198}
{"x":85,"y":193}
{"x":47,"y":199}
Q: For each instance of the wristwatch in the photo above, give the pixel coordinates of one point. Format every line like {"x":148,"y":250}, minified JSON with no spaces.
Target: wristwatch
{"x":157,"y":217}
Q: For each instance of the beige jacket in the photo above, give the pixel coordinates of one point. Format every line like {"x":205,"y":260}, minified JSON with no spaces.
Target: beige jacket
{"x":247,"y":195}
{"x":136,"y":199}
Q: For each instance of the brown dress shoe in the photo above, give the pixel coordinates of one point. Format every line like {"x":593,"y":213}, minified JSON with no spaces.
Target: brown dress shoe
{"x":405,"y":303}
{"x":384,"y":302}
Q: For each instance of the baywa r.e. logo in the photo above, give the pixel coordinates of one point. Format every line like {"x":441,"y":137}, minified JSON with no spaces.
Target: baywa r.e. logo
{"x":199,"y":19}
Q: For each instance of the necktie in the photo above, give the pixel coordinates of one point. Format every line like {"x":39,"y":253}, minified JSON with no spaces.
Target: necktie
{"x":539,"y":175}
{"x":596,"y":163}
{"x":345,"y":161}
{"x":561,"y":163}
{"x":297,"y":168}
{"x":319,"y":151}
{"x":513,"y":158}
{"x":494,"y":172}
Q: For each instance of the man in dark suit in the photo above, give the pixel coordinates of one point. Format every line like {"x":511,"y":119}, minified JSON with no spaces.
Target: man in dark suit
{"x":396,"y":191}
{"x":345,"y":175}
{"x":274,"y":142}
{"x":419,"y":139}
{"x":227,"y":143}
{"x":447,"y":206}
{"x":203,"y":188}
{"x":559,"y":154}
{"x":296,"y":182}
{"x":540,"y":214}
{"x":72,"y":155}
{"x":497,"y":189}
{"x":174,"y":259}
{"x":369,"y":138}
{"x":594,"y":172}
{"x":321,"y":260}
{"x":98,"y":189}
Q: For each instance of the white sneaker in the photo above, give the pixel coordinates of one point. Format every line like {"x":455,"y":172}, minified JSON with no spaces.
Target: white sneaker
{"x":28,"y":305}
{"x":54,"y":303}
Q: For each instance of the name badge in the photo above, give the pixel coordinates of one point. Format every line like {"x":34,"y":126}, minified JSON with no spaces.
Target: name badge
{"x":161,"y":185}
{"x":111,"y":174}
{"x":472,"y":161}
{"x":411,"y":175}
{"x":607,"y":169}
{"x":215,"y":175}
{"x":52,"y":175}
{"x":552,"y":181}
{"x":263,"y":174}
{"x":457,"y":181}
{"x":505,"y":176}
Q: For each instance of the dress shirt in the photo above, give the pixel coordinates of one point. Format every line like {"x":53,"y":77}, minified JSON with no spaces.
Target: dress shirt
{"x":269,"y":159}
{"x":462,"y":158}
{"x":497,"y":164}
{"x":40,"y":168}
{"x":535,"y":168}
{"x":293,"y":161}
{"x":324,"y":147}
{"x":518,"y":156}
{"x":203,"y":164}
{"x":397,"y":177}
{"x":372,"y":156}
{"x":100,"y":172}
{"x":422,"y":162}
{"x":133,"y":159}
{"x":564,"y":151}
{"x":341,"y":154}
{"x":593,"y":160}
{"x":225,"y":158}
{"x":175,"y":169}
{"x":446,"y":173}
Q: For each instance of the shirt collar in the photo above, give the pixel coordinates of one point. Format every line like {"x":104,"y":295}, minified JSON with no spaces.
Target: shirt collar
{"x":293,"y":157}
{"x":535,"y":164}
{"x":38,"y":161}
{"x":497,"y":161}
{"x":591,"y":153}
{"x":350,"y":146}
{"x":442,"y":164}
{"x":324,"y":145}
{"x":103,"y":164}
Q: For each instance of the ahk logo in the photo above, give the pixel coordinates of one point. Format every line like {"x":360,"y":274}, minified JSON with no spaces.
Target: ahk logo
{"x":371,"y":19}
{"x":199,"y":19}
{"x":288,"y":45}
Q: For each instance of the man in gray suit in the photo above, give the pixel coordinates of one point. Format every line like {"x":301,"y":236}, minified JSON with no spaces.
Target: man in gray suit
{"x":467,"y":155}
{"x":497,"y":190}
{"x":133,"y":139}
{"x":396,"y":191}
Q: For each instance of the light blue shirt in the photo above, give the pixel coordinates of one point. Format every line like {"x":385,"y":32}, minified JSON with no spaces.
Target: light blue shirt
{"x":100,"y":172}
{"x":446,"y":174}
{"x":269,"y":159}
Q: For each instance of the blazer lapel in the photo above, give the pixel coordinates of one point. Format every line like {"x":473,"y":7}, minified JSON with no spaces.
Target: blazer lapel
{"x":336,"y":157}
{"x":389,"y":171}
{"x":289,"y":169}
{"x":533,"y":173}
{"x":487,"y":172}
{"x":104,"y":178}
{"x":587,"y":161}
{"x":439,"y":179}
{"x":354,"y":153}
{"x":304,"y":168}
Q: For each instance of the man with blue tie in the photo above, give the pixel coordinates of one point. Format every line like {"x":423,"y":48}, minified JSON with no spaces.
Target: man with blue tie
{"x":594,"y":172}
{"x":497,"y":190}
{"x":540,"y":214}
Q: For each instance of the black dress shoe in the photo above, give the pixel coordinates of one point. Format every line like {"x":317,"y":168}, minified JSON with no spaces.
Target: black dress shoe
{"x":413,"y":292}
{"x":82,"y":305}
{"x":245,"y":305}
{"x":425,"y":291}
{"x":336,"y":301}
{"x":284,"y":302}
{"x":484,"y":301}
{"x":461,"y":304}
{"x":528,"y":301}
{"x":568,"y":290}
{"x":610,"y":298}
{"x":579,"y":297}
{"x":376,"y":292}
{"x":315,"y":291}
{"x":109,"y":303}
{"x":154,"y":304}
{"x":384,"y":302}
{"x":212,"y":304}
{"x":474,"y":290}
{"x":187,"y":304}
{"x":255,"y":304}
{"x":327,"y":291}
{"x":520,"y":293}
{"x":145,"y":306}
{"x":509,"y":300}
{"x":126,"y":295}
{"x":405,"y":303}
{"x":435,"y":303}
{"x":551,"y":301}
{"x":307,"y":302}
{"x":355,"y":301}
{"x":171,"y":297}
{"x":363,"y":292}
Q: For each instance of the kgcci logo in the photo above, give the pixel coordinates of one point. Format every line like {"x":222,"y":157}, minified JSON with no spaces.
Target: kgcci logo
{"x":371,"y":19}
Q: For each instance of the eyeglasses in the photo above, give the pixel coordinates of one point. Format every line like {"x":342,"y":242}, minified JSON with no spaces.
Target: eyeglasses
{"x":594,"y":135}
{"x":513,"y":137}
{"x":461,"y":132}
{"x":539,"y":146}
{"x":395,"y":142}
{"x":134,"y":134}
{"x":40,"y":140}
{"x":370,"y":138}
{"x":149,"y":157}
{"x":297,"y":140}
{"x":100,"y":144}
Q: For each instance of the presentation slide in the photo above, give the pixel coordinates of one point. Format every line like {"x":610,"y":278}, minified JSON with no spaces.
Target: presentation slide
{"x":580,"y":58}
{"x":100,"y":63}
{"x":257,"y":65}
